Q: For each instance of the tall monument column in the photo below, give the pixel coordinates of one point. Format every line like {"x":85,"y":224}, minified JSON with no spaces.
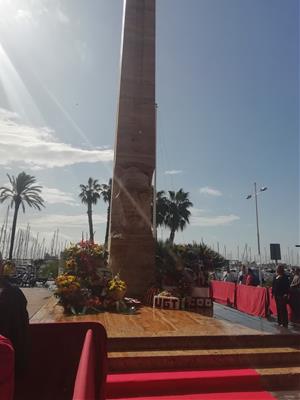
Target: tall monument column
{"x":131,"y":245}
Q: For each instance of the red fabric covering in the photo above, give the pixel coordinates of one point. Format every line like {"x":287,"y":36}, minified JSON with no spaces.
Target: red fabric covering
{"x":252,"y":300}
{"x":210,"y":396}
{"x":272,"y":306}
{"x":7,"y":361}
{"x":55,"y":354}
{"x":86,"y":373}
{"x":181,"y":382}
{"x":223,"y":292}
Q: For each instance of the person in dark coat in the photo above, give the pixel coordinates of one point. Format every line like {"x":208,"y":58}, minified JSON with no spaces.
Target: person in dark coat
{"x":14,"y":321}
{"x":280,"y":290}
{"x":242,"y":276}
{"x":295,"y":296}
{"x":250,"y":278}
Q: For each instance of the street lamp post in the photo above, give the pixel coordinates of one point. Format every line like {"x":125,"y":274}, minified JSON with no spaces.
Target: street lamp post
{"x":298,"y":245}
{"x":262,"y":189}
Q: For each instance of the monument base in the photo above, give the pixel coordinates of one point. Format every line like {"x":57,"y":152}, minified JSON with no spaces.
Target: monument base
{"x":133,"y":259}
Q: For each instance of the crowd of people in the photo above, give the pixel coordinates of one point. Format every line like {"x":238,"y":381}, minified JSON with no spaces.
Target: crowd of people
{"x":246,"y":276}
{"x":286,"y":292}
{"x":285,"y":289}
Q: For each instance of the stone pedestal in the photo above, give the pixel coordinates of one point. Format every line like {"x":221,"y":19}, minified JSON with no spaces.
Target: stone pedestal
{"x":131,"y":244}
{"x":133,"y":257}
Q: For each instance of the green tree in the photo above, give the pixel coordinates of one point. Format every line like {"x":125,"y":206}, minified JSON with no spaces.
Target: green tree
{"x":203,"y":252}
{"x":106,"y":195}
{"x":162,"y":207}
{"x":178,"y":213}
{"x":89,"y":195}
{"x":49,"y":270}
{"x":23,"y":191}
{"x":171,"y":259}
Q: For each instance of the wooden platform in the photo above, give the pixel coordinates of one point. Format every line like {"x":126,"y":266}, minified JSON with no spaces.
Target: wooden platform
{"x":157,"y":329}
{"x":155,"y":339}
{"x":147,"y":322}
{"x":151,"y":322}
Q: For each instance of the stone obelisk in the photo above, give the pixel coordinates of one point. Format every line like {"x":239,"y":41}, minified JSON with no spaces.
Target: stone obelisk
{"x":131,"y":245}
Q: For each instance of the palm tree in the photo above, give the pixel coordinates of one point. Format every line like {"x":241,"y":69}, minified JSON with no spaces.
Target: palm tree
{"x":89,"y":195}
{"x":106,"y":195}
{"x":162,"y":207}
{"x":22,"y":191}
{"x":178,"y":213}
{"x":209,"y":257}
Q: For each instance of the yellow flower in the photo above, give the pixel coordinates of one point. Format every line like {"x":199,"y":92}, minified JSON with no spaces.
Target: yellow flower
{"x":71,"y":263}
{"x":116,"y":284}
{"x":9,"y":268}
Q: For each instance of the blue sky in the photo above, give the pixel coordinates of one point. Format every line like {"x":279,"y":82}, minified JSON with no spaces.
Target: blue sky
{"x":228,"y":111}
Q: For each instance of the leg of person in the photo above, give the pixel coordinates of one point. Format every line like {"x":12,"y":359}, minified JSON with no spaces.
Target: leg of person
{"x":297,"y":305}
{"x":279,"y":310}
{"x":285,"y":319}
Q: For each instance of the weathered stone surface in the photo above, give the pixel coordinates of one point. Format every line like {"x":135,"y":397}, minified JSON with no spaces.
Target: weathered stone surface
{"x":131,"y":244}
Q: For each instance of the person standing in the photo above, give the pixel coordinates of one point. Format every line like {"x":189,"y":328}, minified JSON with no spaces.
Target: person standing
{"x":227,"y":275}
{"x":295,"y":296}
{"x":242,"y":276}
{"x":14,"y":321}
{"x":250,"y":278}
{"x":280,"y":290}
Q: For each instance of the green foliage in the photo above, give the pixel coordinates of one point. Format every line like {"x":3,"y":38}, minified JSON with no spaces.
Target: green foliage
{"x":172,"y":259}
{"x":49,"y":270}
{"x":22,"y":192}
{"x":89,"y":195}
{"x":105,"y":191}
{"x":172,"y":210}
{"x":166,"y":261}
{"x":106,"y":196}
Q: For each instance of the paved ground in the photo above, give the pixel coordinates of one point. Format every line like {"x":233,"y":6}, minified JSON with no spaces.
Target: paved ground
{"x":260,"y":324}
{"x":287,"y":395}
{"x":36,"y":298}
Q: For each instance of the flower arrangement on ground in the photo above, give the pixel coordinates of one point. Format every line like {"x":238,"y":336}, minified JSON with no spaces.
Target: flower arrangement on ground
{"x":116,"y":288}
{"x":86,"y":284}
{"x":70,"y":293}
{"x":82,"y":286}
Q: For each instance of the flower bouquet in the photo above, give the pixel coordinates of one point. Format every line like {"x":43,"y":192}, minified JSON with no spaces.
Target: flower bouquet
{"x":88,"y":261}
{"x":82,"y":286}
{"x":87,"y":286}
{"x":69,"y":292}
{"x":116,"y":288}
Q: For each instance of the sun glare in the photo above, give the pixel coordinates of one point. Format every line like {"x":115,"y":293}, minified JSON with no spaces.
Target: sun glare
{"x":18,"y":96}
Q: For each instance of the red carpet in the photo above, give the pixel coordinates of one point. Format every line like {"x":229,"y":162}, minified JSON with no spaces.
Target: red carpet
{"x":209,"y":396}
{"x":242,"y":384}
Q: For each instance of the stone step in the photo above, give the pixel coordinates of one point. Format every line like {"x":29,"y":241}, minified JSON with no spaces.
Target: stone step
{"x":148,"y":343}
{"x":203,"y":359}
{"x":280,"y":378}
